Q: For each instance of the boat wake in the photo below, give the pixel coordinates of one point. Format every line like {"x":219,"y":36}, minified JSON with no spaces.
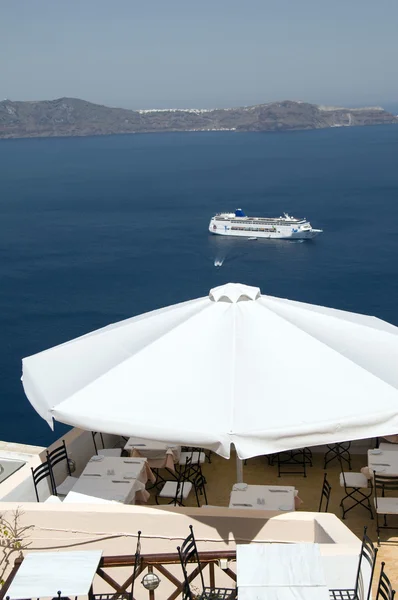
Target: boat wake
{"x":218,"y":262}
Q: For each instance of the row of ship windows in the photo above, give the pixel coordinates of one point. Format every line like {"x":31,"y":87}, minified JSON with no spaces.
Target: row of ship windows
{"x":266,"y":222}
{"x":270,"y":229}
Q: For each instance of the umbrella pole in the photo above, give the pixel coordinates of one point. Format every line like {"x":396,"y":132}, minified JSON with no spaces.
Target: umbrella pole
{"x":239,"y":469}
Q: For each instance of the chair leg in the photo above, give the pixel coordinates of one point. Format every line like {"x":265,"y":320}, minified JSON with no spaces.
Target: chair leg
{"x":337,"y":451}
{"x":364,"y":501}
{"x":296,"y":458}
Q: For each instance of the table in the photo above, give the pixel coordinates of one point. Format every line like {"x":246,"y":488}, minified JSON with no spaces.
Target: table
{"x":119,"y":490}
{"x":42,"y":574}
{"x":119,"y":467}
{"x":79,"y":498}
{"x":112,"y":478}
{"x":159,"y":454}
{"x":384,"y":462}
{"x":341,"y":571}
{"x":263,"y":497}
{"x":280,"y":572}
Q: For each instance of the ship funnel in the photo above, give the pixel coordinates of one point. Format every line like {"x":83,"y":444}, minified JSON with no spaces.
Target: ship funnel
{"x":239,"y":213}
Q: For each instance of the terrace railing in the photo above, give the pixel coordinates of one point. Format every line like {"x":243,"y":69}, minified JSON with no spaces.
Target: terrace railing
{"x":212,"y":563}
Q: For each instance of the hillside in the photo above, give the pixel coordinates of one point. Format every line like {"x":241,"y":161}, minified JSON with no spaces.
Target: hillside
{"x":74,"y":117}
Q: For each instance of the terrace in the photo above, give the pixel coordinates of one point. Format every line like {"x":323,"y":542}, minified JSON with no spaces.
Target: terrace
{"x":112,"y":528}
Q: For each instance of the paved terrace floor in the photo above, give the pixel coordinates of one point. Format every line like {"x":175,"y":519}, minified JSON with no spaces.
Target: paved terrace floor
{"x":221,"y":475}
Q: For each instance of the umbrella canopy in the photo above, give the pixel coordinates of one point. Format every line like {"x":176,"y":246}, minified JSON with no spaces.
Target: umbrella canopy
{"x":236,"y":367}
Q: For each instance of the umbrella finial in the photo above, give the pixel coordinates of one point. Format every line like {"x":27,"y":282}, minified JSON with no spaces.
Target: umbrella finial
{"x":234,"y":292}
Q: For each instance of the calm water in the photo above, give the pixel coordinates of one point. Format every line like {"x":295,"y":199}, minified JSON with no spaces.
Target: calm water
{"x":94,"y":230}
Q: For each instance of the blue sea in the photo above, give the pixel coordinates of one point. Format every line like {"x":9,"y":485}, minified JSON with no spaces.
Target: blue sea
{"x":95,"y":230}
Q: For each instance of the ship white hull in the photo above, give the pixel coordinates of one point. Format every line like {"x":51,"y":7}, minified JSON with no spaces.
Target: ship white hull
{"x":284,"y":233}
{"x":273,"y":235}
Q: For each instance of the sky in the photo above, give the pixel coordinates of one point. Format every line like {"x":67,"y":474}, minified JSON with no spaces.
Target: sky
{"x":202,"y":54}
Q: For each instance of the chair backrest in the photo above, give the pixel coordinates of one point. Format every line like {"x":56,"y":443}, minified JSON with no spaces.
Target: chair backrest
{"x":199,"y":480}
{"x":368,"y":552}
{"x":188,"y":553}
{"x":384,"y":588}
{"x":183,"y":478}
{"x":342,"y":471}
{"x":199,"y":483}
{"x":39,"y":473}
{"x":61,"y":597}
{"x":137,"y":562}
{"x":326,"y":489}
{"x":58,"y":455}
{"x":94,"y":433}
{"x":384,"y":483}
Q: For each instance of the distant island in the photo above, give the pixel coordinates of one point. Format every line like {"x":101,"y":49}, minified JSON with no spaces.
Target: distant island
{"x":74,"y":117}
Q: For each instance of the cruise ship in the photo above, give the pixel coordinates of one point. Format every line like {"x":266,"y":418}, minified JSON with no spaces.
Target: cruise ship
{"x":284,"y":227}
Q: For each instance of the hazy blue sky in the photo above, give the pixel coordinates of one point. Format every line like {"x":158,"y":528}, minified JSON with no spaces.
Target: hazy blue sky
{"x":181,"y":53}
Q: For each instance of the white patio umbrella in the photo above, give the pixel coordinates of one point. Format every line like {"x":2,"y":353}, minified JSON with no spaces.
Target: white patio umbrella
{"x":235,"y":367}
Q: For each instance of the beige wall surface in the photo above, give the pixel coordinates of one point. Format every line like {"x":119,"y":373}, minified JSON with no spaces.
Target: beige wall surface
{"x":113,"y":528}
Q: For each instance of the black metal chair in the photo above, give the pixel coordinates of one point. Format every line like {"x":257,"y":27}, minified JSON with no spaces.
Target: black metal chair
{"x":335,"y":451}
{"x":61,"y":597}
{"x":55,"y":457}
{"x":178,"y":489}
{"x":199,"y":485}
{"x":385,"y":506}
{"x":42,"y":472}
{"x":384,"y":587}
{"x":137,"y":563}
{"x":104,"y":451}
{"x":369,"y":553}
{"x":136,"y":571}
{"x":188,"y":553}
{"x":206,"y":452}
{"x":196,"y":455}
{"x":326,"y":490}
{"x":299,"y":458}
{"x":353,"y":484}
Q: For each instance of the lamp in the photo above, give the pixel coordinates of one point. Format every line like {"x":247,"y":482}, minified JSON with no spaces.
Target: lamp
{"x":223,"y":563}
{"x":150,"y":581}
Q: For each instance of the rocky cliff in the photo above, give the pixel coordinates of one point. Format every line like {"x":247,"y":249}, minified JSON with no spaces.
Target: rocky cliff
{"x":73,"y":117}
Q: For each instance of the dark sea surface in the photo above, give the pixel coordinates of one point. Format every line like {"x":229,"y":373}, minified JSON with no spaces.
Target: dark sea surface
{"x":95,"y":230}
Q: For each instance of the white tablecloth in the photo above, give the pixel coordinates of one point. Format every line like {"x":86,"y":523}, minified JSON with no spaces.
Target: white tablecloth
{"x":42,"y":574}
{"x":78,"y":498}
{"x":280,"y":572}
{"x":112,"y":478}
{"x":263,"y":497}
{"x":383,"y":462}
{"x":120,"y":490}
{"x":341,"y":571}
{"x":117,"y":467}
